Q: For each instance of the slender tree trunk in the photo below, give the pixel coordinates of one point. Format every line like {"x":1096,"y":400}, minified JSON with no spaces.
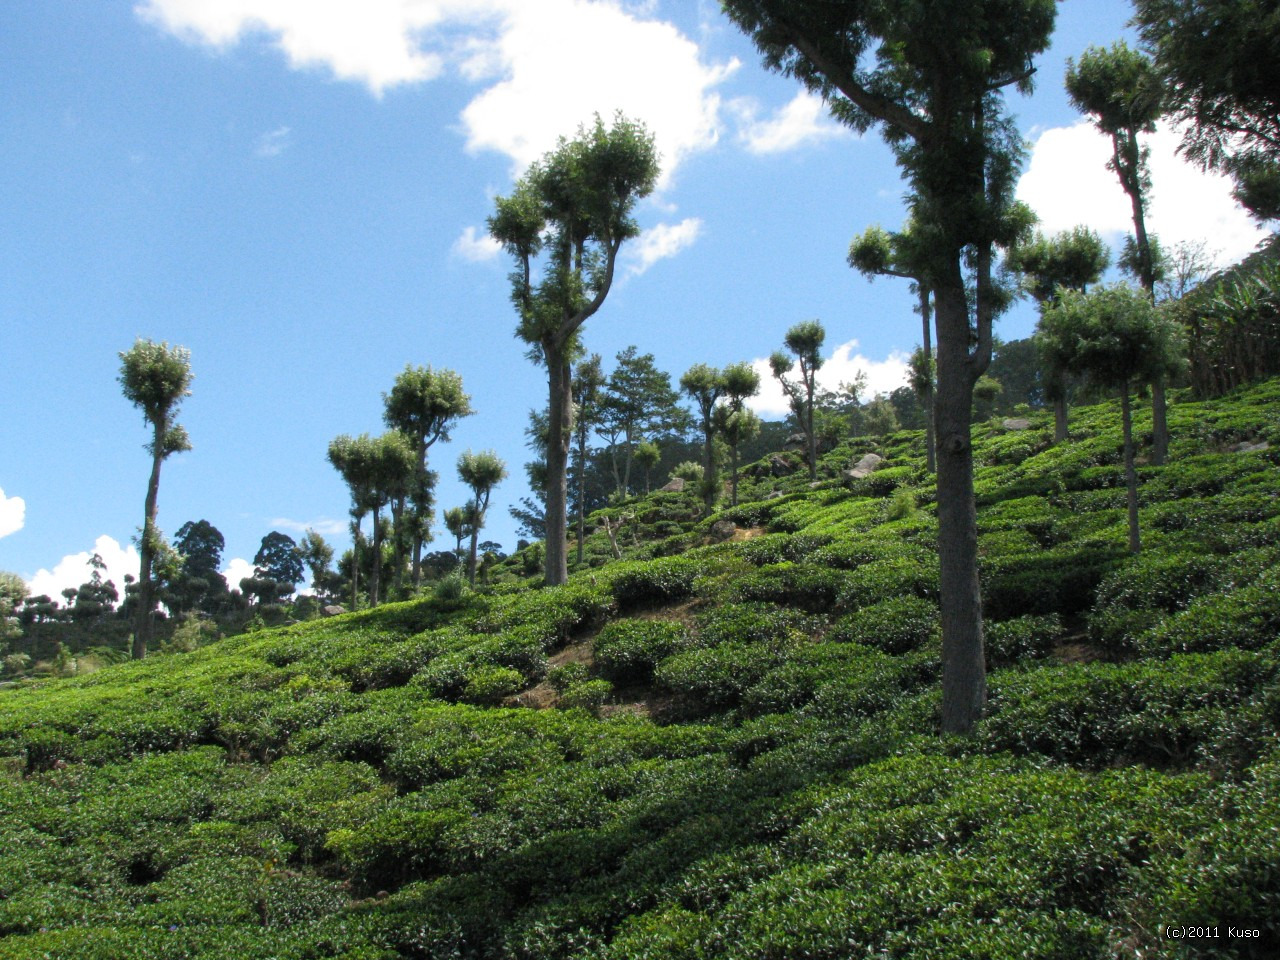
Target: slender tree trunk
{"x":1159,"y":424}
{"x":733,"y":460}
{"x":375,"y":575}
{"x":1059,"y":409}
{"x":397,"y":576}
{"x":559,"y":418}
{"x":964,"y":686}
{"x":1130,"y":473}
{"x":582,"y":483}
{"x":355,"y":567}
{"x":710,"y":480}
{"x":813,"y":439}
{"x":926,"y":316}
{"x":143,"y":620}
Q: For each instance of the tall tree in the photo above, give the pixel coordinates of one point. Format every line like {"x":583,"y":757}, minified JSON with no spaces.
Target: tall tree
{"x":637,"y":403}
{"x":932,"y":75}
{"x":1222,"y":73}
{"x":458,"y":521}
{"x":704,"y":385}
{"x":1121,"y":89}
{"x":481,"y":472}
{"x":278,"y":566}
{"x":1070,"y":260}
{"x":575,"y":206}
{"x":352,"y":457}
{"x":804,"y":340}
{"x":199,"y":584}
{"x":155,"y":377}
{"x":1117,"y":337}
{"x":317,"y":554}
{"x":876,"y":252}
{"x":736,"y":423}
{"x":424,"y":404}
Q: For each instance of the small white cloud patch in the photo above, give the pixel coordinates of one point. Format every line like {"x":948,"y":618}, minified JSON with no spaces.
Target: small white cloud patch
{"x":325,"y":526}
{"x":13,"y":514}
{"x":660,"y":242}
{"x":474,"y":247}
{"x":272,"y":144}
{"x":799,"y":123}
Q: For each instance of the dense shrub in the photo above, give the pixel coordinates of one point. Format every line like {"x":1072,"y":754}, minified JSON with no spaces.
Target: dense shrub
{"x":895,"y":625}
{"x":626,"y":651}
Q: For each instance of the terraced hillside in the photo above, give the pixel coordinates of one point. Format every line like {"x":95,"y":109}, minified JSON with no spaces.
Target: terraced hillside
{"x":711,"y":749}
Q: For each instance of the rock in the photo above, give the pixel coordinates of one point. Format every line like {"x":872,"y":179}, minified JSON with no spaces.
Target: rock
{"x":797,"y":441}
{"x":775,"y":495}
{"x":675,"y":485}
{"x":814,"y":485}
{"x":1247,"y":447}
{"x":1015,"y":423}
{"x":333,"y":610}
{"x":780,"y":466}
{"x":723,"y":530}
{"x":864,"y":466}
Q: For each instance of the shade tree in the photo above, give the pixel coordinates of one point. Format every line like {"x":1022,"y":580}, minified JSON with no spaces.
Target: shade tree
{"x":804,"y":342}
{"x":424,"y":405}
{"x":735,"y":422}
{"x":1070,"y":260}
{"x":569,"y":215}
{"x":1117,"y":337}
{"x":637,"y":403}
{"x":1123,"y":92}
{"x":155,"y":378}
{"x":932,"y":77}
{"x":481,"y":472}
{"x":704,"y":384}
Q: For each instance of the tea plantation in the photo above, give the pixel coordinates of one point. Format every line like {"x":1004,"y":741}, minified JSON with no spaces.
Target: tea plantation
{"x":712,"y":749}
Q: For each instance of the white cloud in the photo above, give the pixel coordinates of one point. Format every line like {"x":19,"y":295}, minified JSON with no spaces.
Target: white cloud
{"x":73,"y":569}
{"x":660,"y":242}
{"x":272,"y":144}
{"x":883,"y":376}
{"x":476,"y":248}
{"x":802,"y":121}
{"x":237,"y":570}
{"x":325,"y":526}
{"x":549,"y":66}
{"x":13,"y":513}
{"x":1067,"y":184}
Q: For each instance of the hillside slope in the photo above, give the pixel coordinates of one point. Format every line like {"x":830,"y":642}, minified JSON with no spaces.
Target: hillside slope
{"x":721,"y":750}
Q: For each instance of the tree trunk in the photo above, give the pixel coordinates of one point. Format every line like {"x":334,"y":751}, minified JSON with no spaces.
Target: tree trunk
{"x":559,"y":417}
{"x":810,"y":386}
{"x":926,"y":315}
{"x":964,"y":686}
{"x":709,"y":478}
{"x":146,"y":593}
{"x":1159,"y":424}
{"x":1060,"y":413}
{"x":733,"y":460}
{"x":1130,"y":473}
{"x":582,"y":483}
{"x":397,"y":576}
{"x":375,"y":574}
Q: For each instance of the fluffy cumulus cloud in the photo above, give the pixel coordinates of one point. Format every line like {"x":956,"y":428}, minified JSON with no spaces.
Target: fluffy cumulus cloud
{"x":660,"y":242}
{"x":237,"y":570}
{"x":802,"y":121}
{"x":13,"y":514}
{"x":843,"y":366}
{"x":544,"y":67}
{"x":476,"y":247}
{"x":73,"y":569}
{"x":1067,"y":183}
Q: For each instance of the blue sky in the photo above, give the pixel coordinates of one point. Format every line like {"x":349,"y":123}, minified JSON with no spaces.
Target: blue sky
{"x":297,"y":192}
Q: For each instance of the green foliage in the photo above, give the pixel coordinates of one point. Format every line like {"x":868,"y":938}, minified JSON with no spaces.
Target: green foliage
{"x":626,"y":651}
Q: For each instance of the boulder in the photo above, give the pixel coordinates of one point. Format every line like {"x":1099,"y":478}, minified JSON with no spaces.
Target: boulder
{"x":1247,"y":447}
{"x":674,"y":485}
{"x":865,"y":466}
{"x":723,"y":530}
{"x":797,"y":441}
{"x":333,"y":610}
{"x":1015,"y":423}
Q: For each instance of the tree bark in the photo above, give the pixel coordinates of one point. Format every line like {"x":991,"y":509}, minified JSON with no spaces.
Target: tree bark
{"x":1159,"y":423}
{"x":1130,"y":473}
{"x":143,"y":621}
{"x":375,"y":574}
{"x":964,"y":686}
{"x":926,"y":315}
{"x":559,"y":418}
